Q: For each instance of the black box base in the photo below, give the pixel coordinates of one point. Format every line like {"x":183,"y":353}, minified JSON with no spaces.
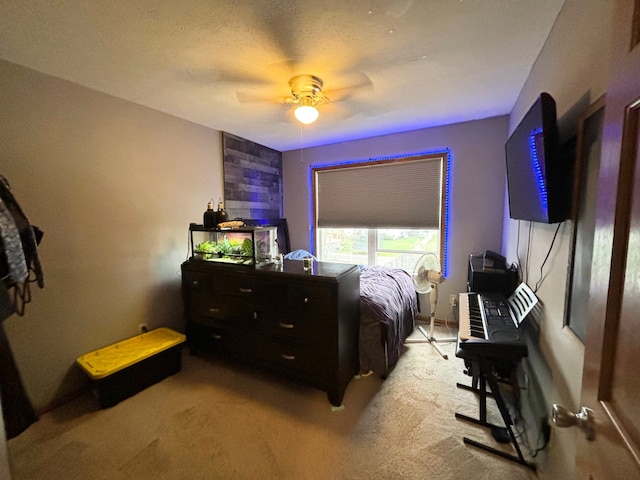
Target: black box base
{"x":125,"y":383}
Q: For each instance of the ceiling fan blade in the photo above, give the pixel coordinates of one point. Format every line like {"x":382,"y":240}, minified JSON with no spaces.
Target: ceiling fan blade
{"x":358,"y":83}
{"x":254,"y":97}
{"x":280,"y":31}
{"x":337,"y":111}
{"x":212,"y":76}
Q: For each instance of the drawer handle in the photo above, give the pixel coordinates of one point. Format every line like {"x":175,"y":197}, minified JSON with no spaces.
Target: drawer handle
{"x":285,"y":325}
{"x":288,"y":357}
{"x":307,"y":299}
{"x":214,"y":310}
{"x":246,"y":290}
{"x":195,"y":283}
{"x":255,"y":315}
{"x":216,"y":336}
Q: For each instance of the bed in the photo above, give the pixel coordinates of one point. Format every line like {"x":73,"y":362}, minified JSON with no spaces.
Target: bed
{"x":388,"y":308}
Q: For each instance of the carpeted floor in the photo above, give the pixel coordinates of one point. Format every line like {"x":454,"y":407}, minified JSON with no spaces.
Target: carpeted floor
{"x":217,"y":420}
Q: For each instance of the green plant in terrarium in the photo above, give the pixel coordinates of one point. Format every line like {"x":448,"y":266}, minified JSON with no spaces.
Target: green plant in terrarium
{"x":243,"y":250}
{"x":208,"y":246}
{"x":247,"y":247}
{"x":225,"y":247}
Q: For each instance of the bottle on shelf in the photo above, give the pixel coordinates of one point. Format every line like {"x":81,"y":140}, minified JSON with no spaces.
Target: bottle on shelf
{"x":210,"y":219}
{"x":222,"y":214}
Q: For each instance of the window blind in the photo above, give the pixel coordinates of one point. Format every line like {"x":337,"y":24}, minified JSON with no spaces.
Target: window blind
{"x":396,"y":194}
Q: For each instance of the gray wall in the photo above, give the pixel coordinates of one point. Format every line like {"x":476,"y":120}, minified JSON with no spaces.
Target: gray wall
{"x":477,"y":187}
{"x":572,"y":67}
{"x":114,"y":186}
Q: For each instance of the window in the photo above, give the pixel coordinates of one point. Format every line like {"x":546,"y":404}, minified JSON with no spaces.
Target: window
{"x":386,"y":246}
{"x":381,"y":212}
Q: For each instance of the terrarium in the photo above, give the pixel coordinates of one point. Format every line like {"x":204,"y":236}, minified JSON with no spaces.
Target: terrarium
{"x":249,"y":246}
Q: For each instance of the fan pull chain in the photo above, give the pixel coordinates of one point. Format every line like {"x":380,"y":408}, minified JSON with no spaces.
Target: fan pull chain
{"x":301,"y":146}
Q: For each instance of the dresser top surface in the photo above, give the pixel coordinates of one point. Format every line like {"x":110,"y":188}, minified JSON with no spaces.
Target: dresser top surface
{"x":287,"y":268}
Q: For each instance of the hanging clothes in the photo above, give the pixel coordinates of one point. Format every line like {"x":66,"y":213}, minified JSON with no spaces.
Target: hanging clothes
{"x":16,"y":264}
{"x":19,"y":267}
{"x":19,"y":261}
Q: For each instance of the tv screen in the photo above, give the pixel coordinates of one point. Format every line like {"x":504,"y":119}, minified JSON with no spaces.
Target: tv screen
{"x":537,"y":175}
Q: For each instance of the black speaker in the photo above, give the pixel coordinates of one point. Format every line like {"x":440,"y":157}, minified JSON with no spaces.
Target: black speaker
{"x":490,"y":280}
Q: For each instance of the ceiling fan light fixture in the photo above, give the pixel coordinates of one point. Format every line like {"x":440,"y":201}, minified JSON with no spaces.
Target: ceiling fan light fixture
{"x":306,"y":114}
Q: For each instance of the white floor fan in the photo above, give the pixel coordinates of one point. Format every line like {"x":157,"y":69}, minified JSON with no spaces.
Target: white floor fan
{"x":426,"y":278}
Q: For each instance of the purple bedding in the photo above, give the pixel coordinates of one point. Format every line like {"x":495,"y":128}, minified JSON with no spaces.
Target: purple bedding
{"x":388,"y":307}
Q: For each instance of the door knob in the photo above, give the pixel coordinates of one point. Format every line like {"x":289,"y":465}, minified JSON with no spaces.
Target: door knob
{"x":563,"y":418}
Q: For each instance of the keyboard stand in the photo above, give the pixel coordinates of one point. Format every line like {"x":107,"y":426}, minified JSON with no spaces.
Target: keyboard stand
{"x":483,"y":372}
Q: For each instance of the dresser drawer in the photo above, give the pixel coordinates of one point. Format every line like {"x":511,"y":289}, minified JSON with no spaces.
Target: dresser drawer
{"x":215,"y":339}
{"x":295,"y":359}
{"x":245,"y":286}
{"x":305,"y":329}
{"x":198,"y":281}
{"x":308,"y":299}
{"x":223,"y":309}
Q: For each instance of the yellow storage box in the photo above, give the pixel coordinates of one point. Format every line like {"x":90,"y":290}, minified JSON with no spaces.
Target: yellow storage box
{"x":123,"y":369}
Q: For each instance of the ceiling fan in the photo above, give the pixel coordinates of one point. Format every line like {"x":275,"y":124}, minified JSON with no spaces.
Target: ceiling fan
{"x":308,"y":95}
{"x":306,"y":91}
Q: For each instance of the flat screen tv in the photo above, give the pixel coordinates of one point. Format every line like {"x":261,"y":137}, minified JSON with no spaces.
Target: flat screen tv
{"x":537,"y":173}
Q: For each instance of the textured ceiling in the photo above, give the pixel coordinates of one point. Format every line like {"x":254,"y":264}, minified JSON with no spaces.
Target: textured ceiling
{"x":226,"y":64}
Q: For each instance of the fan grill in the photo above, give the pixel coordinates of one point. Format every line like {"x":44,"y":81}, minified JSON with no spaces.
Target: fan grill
{"x":427,"y":262}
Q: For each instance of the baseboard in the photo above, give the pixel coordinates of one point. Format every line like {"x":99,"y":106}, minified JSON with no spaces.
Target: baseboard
{"x":62,"y":400}
{"x":438,"y":321}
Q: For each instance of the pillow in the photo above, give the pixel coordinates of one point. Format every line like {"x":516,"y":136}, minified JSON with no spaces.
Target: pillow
{"x":299,"y":255}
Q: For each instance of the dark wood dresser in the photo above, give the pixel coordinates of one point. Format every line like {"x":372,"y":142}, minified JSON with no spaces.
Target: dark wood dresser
{"x":302,"y":325}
